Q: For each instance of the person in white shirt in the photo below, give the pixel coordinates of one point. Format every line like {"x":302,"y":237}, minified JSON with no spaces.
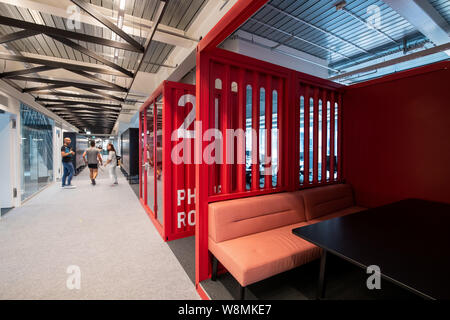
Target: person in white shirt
{"x":112,"y":162}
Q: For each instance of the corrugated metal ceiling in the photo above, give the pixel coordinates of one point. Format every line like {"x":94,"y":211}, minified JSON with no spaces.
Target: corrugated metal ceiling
{"x":178,"y":14}
{"x":42,"y":44}
{"x":347,"y":35}
{"x":443,"y":7}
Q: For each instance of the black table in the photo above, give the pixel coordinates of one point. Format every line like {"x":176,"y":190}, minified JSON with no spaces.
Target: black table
{"x":409,"y":240}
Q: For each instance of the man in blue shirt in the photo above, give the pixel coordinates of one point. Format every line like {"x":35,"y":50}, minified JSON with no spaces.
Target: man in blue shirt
{"x":67,"y":154}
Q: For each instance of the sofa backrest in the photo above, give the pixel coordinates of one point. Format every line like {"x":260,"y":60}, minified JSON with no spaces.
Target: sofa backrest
{"x":321,"y":201}
{"x":240,"y":217}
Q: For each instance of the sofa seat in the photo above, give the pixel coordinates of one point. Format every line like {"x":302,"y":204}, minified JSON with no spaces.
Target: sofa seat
{"x":338,"y":214}
{"x":258,"y":256}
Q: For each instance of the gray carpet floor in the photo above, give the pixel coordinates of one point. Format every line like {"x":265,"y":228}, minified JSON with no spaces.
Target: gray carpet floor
{"x":101,"y":229}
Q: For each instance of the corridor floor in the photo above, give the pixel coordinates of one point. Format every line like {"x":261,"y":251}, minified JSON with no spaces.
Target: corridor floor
{"x":102,"y":231}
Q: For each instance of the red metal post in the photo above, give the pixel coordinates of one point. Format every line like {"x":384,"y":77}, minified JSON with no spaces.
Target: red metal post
{"x":155,"y":160}
{"x":141,"y":126}
{"x":316,"y":136}
{"x":324,"y":136}
{"x":339,"y":137}
{"x":201,"y":169}
{"x":226,"y":114}
{"x":168,"y":197}
{"x":237,"y":15}
{"x":255,"y":136}
{"x":306,"y":109}
{"x":268,"y":118}
{"x":332,"y":101}
{"x":241,"y":126}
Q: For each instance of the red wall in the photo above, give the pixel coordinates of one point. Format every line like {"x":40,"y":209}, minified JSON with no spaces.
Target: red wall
{"x":396,"y":137}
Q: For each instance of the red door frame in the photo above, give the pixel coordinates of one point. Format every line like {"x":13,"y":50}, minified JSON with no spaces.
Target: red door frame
{"x":168,"y":91}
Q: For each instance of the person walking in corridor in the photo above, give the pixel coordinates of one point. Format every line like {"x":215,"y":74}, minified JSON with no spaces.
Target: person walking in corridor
{"x":112,"y":162}
{"x":67,"y":155}
{"x":92,"y":157}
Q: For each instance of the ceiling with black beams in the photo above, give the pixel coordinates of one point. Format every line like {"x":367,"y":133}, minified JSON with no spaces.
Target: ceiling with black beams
{"x":79,"y":58}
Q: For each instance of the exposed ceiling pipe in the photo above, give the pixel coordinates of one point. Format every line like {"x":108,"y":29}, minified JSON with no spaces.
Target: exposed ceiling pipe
{"x":340,"y":6}
{"x":286,"y":53}
{"x":412,"y":46}
{"x":408,"y":57}
{"x":301,"y":39}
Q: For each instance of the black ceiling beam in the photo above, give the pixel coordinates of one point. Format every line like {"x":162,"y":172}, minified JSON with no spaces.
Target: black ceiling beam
{"x":57,"y":64}
{"x":75,"y":109}
{"x":98,"y":79}
{"x":17,"y":35}
{"x":84,"y":111}
{"x":70,"y":95}
{"x":107,"y":23}
{"x":104,"y":94}
{"x":91,"y":54}
{"x":93,"y":119}
{"x":74,"y":102}
{"x":26,"y":71}
{"x":81,"y":120}
{"x":87,"y":114}
{"x":66,"y":34}
{"x":80,"y":108}
{"x":47,"y":87}
{"x":147,"y":46}
{"x":66,"y":83}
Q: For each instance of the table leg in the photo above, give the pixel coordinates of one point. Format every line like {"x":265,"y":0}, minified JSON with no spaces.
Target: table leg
{"x":321,"y":284}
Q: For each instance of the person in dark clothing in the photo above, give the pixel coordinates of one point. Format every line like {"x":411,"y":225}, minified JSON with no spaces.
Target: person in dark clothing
{"x":67,"y":154}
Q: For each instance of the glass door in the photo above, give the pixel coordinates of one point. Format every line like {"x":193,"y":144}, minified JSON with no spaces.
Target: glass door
{"x":159,"y":178}
{"x":142,"y":158}
{"x":150,"y":156}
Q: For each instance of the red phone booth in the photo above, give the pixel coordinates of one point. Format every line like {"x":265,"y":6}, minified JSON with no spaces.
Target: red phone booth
{"x":166,"y":159}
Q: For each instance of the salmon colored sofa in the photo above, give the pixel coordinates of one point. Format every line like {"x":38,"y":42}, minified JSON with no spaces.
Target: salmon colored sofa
{"x":252,"y":237}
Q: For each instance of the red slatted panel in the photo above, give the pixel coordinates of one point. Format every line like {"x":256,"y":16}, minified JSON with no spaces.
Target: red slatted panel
{"x":241,"y":125}
{"x":316,"y":136}
{"x":229,"y":67}
{"x":282,"y":132}
{"x":268,"y":118}
{"x":324,"y":136}
{"x":332,"y":100}
{"x":339,"y":134}
{"x":255,"y":127}
{"x":225,"y":113}
{"x":306,"y":112}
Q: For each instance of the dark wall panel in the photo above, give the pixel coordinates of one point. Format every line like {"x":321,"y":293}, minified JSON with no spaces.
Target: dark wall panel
{"x":396,"y":137}
{"x":130,"y":151}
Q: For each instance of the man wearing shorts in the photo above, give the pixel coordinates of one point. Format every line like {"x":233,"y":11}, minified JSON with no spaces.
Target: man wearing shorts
{"x":92,"y":157}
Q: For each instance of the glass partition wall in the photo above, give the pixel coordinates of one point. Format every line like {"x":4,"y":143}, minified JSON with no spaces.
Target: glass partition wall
{"x":36,"y":151}
{"x":152,"y":159}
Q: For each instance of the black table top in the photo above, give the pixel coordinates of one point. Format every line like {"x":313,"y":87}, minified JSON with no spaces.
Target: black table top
{"x":409,"y":240}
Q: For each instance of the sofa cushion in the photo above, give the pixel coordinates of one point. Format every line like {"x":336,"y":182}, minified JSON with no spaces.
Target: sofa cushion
{"x":240,"y":217}
{"x":261,"y":255}
{"x":322,"y":201}
{"x":338,"y":214}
